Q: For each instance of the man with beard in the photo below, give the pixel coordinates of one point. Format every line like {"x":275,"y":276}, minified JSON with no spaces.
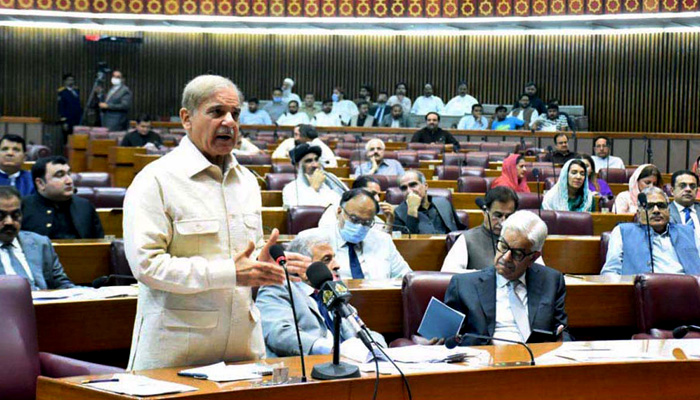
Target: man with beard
{"x":524,"y":111}
{"x":313,"y":186}
{"x":293,"y":117}
{"x":428,"y":102}
{"x":432,"y":133}
{"x":396,"y":119}
{"x":535,"y":101}
{"x":27,"y":254}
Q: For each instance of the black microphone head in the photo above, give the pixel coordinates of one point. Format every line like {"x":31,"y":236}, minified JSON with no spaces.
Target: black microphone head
{"x":536,"y":172}
{"x":318,"y":274}
{"x":642,"y":198}
{"x":480,"y":203}
{"x":550,"y":149}
{"x":680,"y":332}
{"x":452,"y":342}
{"x":277,"y":253}
{"x":101,"y":281}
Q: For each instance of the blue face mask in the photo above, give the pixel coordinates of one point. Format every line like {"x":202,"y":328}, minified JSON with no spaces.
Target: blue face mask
{"x":277,"y":99}
{"x":335,"y":97}
{"x":353,"y":233}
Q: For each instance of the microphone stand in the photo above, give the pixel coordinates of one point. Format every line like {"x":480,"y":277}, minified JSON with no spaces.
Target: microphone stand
{"x":551,"y":155}
{"x":650,"y":152}
{"x":458,"y":339}
{"x":643,"y":202}
{"x":335,"y":369}
{"x":539,"y":199}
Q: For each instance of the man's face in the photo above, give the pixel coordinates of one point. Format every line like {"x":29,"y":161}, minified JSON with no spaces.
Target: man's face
{"x":297,"y":136}
{"x":432,"y":121}
{"x":512,"y":246}
{"x":601,"y":148}
{"x":361,"y":209}
{"x":338,"y":93}
{"x":477,"y":112}
{"x":293,"y":107}
{"x":364,"y":93}
{"x":427,"y":90}
{"x":374,"y":189}
{"x":117,"y":74}
{"x":562,"y":143}
{"x":11,"y":156}
{"x":253,"y":107}
{"x":69,"y":82}
{"x":552,"y":113}
{"x":410,"y":183}
{"x":382,"y":98}
{"x":462,"y":89}
{"x":524,"y":102}
{"x":501,"y":114}
{"x":327,"y":107}
{"x":286,"y":85}
{"x":309,"y":100}
{"x":375,"y":149}
{"x":276,"y":95}
{"x":57,"y":184}
{"x":10,"y":219}
{"x":363,"y":109}
{"x":531,"y":90}
{"x":499,"y":212}
{"x":659,"y":215}
{"x":309,"y":163}
{"x":213,"y":127}
{"x":401,"y":90}
{"x":324,"y":253}
{"x":396,"y":112}
{"x":685,"y":190}
{"x":143,"y":127}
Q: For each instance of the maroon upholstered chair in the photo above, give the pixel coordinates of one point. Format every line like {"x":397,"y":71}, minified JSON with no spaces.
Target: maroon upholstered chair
{"x":490,"y":146}
{"x":408,"y":159}
{"x":301,"y":218}
{"x":458,"y":159}
{"x":447,"y":172}
{"x":417,"y":146}
{"x":664,"y":302}
{"x":613,"y":175}
{"x":471,"y":184}
{"x":497,"y":156}
{"x":261,"y":144}
{"x":489,"y":180}
{"x":282,"y":168}
{"x":254,"y":159}
{"x":476,"y":146}
{"x":549,"y":182}
{"x":545,"y":171}
{"x":394,"y":195}
{"x":478,"y":159}
{"x":91,"y":179}
{"x":566,"y":222}
{"x":87,"y":193}
{"x":463,"y":217}
{"x":604,"y":241}
{"x":417,"y":289}
{"x":37,"y":151}
{"x":109,"y":197}
{"x":451,"y":238}
{"x":473,"y":171}
{"x":387,"y":181}
{"x":428,"y":154}
{"x":349,"y":146}
{"x":529,"y":201}
{"x":278,"y":181}
{"x":21,"y":362}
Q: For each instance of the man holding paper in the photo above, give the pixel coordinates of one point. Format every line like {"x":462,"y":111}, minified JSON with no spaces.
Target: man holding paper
{"x":517,"y":296}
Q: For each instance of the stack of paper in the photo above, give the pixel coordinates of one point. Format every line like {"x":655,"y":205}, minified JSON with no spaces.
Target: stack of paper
{"x":136,"y":385}
{"x":86,"y":293}
{"x":220,"y":372}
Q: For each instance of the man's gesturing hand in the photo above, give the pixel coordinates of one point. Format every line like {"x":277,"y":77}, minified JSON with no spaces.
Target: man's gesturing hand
{"x":251,"y":272}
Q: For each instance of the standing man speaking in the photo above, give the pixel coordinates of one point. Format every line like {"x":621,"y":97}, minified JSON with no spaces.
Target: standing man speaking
{"x":192,"y":222}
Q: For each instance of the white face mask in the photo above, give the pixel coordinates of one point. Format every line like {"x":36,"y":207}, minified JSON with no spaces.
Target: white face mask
{"x":116,"y":81}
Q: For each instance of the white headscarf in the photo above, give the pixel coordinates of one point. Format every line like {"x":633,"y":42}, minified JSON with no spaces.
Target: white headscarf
{"x":557,"y":198}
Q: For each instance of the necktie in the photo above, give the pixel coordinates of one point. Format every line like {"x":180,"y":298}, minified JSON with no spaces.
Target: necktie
{"x":518,"y":309}
{"x":16,"y":265}
{"x":324,"y":312}
{"x":688,"y":219}
{"x":355,"y":267}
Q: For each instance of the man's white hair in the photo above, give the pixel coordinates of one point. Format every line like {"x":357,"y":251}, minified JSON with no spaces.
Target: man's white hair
{"x":305,"y":242}
{"x":203,"y":87}
{"x":528,"y":224}
{"x":653,"y":190}
{"x":369,"y":143}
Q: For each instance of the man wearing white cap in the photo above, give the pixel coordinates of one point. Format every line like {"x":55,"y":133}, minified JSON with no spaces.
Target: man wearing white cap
{"x":287,"y":94}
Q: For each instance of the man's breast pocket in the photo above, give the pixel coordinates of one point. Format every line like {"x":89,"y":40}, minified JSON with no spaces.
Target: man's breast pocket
{"x":195,"y":237}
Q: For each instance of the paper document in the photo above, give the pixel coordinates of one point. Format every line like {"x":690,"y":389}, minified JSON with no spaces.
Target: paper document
{"x":86,"y":293}
{"x":220,"y":372}
{"x":356,"y":351}
{"x":385,"y":368}
{"x":136,"y":385}
{"x":440,"y":321}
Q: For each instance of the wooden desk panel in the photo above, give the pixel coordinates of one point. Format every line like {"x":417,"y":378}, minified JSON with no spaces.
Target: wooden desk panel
{"x":111,"y":219}
{"x":141,"y":160}
{"x":83,"y":260}
{"x":573,"y":254}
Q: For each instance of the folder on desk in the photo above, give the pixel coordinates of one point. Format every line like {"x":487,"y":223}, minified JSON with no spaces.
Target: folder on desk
{"x":440,"y":321}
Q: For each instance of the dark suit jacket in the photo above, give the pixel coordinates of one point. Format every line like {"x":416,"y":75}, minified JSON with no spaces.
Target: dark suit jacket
{"x":444,"y":208}
{"x":373,"y":111}
{"x":42,"y":260}
{"x":115,"y":117}
{"x":35,"y":216}
{"x":474,"y":295}
{"x":405,"y":122}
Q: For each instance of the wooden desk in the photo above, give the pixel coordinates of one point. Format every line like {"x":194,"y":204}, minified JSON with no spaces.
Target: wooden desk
{"x":77,"y":147}
{"x":673,"y":377}
{"x":111,"y":219}
{"x":141,"y":160}
{"x":121,"y":164}
{"x":97,"y":153}
{"x":83,"y":260}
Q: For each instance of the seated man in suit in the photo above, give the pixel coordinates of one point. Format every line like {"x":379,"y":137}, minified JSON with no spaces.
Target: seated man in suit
{"x":142,"y":135}
{"x":377,"y":164}
{"x":561,"y":153}
{"x":27,"y":254}
{"x":420,"y":213}
{"x":362,"y":118}
{"x":13,"y":151}
{"x":54,"y":211}
{"x":361,"y":252}
{"x":674,"y":246}
{"x":684,"y":211}
{"x":312,"y":186}
{"x":380,"y":109}
{"x":516,"y":296}
{"x":396,"y":119}
{"x":315,"y":322}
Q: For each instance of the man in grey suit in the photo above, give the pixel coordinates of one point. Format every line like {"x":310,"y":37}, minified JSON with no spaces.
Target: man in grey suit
{"x":115,"y":108}
{"x":684,"y":211}
{"x":315,"y":323}
{"x":396,"y":119}
{"x":516,"y":297}
{"x":420,"y":213}
{"x":27,"y":254}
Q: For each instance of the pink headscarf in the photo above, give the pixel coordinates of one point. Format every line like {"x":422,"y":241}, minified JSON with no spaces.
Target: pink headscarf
{"x":509,"y":176}
{"x":629,"y":204}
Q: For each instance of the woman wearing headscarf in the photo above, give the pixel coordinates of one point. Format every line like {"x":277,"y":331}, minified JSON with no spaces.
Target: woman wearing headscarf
{"x":571,"y":191}
{"x":513,"y":174}
{"x":596,"y":185}
{"x":644,"y":176}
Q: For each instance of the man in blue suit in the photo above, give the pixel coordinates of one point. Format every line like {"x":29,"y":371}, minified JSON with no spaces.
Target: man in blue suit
{"x":27,"y":254}
{"x":315,"y":322}
{"x":13,"y":152}
{"x":517,"y":296}
{"x":674,"y":245}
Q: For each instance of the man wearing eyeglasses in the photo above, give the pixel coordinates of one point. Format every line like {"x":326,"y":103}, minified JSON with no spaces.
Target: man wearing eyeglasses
{"x":361,"y":252}
{"x":674,"y":245}
{"x":602,"y":157}
{"x":25,"y":253}
{"x":516,"y":296}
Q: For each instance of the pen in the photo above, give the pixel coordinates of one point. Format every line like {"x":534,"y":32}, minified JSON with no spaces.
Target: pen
{"x":193,"y":375}
{"x":100,"y":381}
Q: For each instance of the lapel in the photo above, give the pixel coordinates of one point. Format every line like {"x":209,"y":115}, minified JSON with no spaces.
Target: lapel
{"x":34,"y":258}
{"x":675,"y":215}
{"x":487,"y":298}
{"x":444,"y":214}
{"x":115,"y":94}
{"x":534,"y":292}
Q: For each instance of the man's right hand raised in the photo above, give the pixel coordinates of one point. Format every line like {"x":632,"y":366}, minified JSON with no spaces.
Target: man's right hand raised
{"x":250,"y":272}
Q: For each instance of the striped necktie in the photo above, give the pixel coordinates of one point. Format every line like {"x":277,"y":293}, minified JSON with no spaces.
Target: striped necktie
{"x":518,"y":309}
{"x":688,"y":219}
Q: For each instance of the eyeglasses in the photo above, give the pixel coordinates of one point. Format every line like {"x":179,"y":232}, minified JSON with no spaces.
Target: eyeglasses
{"x":16,"y":215}
{"x":410,"y":185}
{"x":516,"y":254}
{"x":660,"y":205}
{"x":357,"y":220}
{"x":683,"y":185}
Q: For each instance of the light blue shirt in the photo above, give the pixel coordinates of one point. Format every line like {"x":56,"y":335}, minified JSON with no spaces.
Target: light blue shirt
{"x":260,"y":117}
{"x":468,"y":122}
{"x":665,"y":259}
{"x":386,"y":167}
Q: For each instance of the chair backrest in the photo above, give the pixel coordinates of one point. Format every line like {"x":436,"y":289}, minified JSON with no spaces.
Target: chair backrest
{"x":408,"y":159}
{"x":387,"y":181}
{"x":458,"y":159}
{"x":87,"y":193}
{"x":549,"y":182}
{"x":109,"y":197}
{"x":417,"y":146}
{"x":91,"y":179}
{"x":471,"y":184}
{"x":301,"y":218}
{"x":665,"y":301}
{"x":472,"y":171}
{"x":566,"y":222}
{"x":545,"y":171}
{"x":37,"y":151}
{"x":476,"y":146}
{"x":394,"y":195}
{"x":463,"y":217}
{"x":19,"y":347}
{"x":497,"y":155}
{"x":254,"y":159}
{"x":417,"y":289}
{"x":447,"y":172}
{"x":604,"y":241}
{"x":613,"y":175}
{"x":529,"y":201}
{"x":278,"y":181}
{"x":478,"y":159}
{"x":282,"y":168}
{"x":428,"y":154}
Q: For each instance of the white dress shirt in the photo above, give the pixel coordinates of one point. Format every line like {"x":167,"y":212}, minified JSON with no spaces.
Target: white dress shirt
{"x":323,"y":119}
{"x":424,"y":105}
{"x":665,"y":259}
{"x":460,"y":105}
{"x":7,"y":264}
{"x":299,"y":193}
{"x":288,"y":96}
{"x":457,"y":259}
{"x":247,"y":148}
{"x":288,"y":119}
{"x":693,"y":217}
{"x":405,"y":103}
{"x":327,"y":156}
{"x":378,"y":255}
{"x":346,"y":109}
{"x":506,"y":327}
{"x":259,"y":117}
{"x":602,"y":163}
{"x":468,"y":122}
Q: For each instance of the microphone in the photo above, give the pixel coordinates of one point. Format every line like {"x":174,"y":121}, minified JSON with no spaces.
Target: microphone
{"x":482,"y":205}
{"x":551,"y":155}
{"x":642,"y":199}
{"x":103,"y":280}
{"x":277,"y":253}
{"x":398,"y":226}
{"x":454,"y":341}
{"x":536,"y":173}
{"x":681,"y":331}
{"x":337,"y":182}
